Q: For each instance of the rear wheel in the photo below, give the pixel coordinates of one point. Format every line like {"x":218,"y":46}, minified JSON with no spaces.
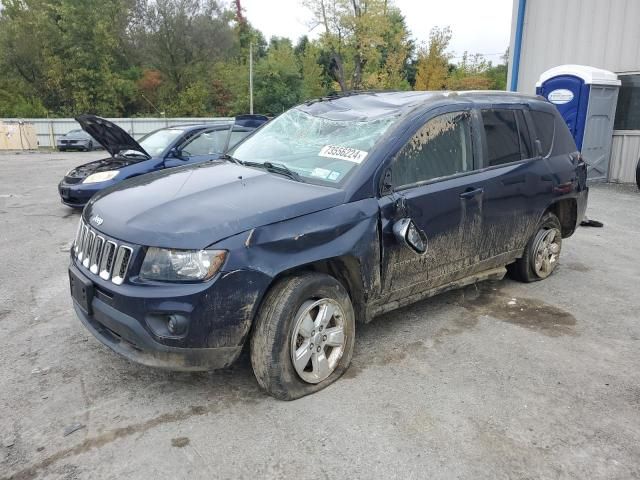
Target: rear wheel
{"x":89,"y":146}
{"x":542,"y":253}
{"x":304,"y":335}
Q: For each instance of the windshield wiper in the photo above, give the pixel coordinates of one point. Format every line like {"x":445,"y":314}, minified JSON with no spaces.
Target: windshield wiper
{"x":280,"y":168}
{"x":284,"y":170}
{"x":228,"y":157}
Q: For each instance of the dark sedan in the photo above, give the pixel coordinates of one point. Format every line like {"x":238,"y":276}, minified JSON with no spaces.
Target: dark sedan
{"x":164,"y":148}
{"x":76,"y":139}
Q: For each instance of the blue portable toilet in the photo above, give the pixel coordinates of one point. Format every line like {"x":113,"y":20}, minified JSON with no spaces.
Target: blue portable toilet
{"x":586,"y":98}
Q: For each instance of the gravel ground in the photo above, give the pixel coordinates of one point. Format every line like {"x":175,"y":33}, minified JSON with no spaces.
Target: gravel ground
{"x":466,"y":385}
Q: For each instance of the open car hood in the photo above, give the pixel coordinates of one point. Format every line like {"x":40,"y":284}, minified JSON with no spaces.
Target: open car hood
{"x":109,"y":135}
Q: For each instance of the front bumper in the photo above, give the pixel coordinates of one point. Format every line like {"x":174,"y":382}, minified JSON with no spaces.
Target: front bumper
{"x":76,"y":195}
{"x":83,"y":145}
{"x":125,"y":335}
{"x":125,"y":318}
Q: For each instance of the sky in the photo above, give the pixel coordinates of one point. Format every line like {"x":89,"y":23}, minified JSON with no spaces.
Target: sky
{"x":478,"y":26}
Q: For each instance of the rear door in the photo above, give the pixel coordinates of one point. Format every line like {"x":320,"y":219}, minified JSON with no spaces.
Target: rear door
{"x":434,"y":184}
{"x":516,"y":184}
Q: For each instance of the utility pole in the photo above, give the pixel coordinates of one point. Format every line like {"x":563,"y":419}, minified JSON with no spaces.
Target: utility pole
{"x":251,"y":78}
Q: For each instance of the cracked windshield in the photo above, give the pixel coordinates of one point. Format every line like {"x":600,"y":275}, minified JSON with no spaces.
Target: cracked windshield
{"x":314,"y":147}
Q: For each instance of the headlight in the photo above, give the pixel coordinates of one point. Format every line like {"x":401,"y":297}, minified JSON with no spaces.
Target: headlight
{"x":181,"y":265}
{"x":101,"y":176}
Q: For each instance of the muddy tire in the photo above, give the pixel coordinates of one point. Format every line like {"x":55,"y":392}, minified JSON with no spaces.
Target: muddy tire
{"x":303,"y":337}
{"x":542,"y":252}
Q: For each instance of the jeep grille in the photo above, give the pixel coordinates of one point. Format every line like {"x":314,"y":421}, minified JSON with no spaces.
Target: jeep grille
{"x":101,"y":255}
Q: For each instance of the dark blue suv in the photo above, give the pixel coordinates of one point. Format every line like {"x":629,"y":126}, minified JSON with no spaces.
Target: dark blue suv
{"x":336,"y":211}
{"x":164,"y":148}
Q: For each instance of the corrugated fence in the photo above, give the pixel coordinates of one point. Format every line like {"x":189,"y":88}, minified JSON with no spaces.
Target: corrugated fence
{"x":49,"y":129}
{"x":625,"y":153}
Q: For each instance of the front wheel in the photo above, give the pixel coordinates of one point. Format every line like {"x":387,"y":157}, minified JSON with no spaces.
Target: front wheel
{"x":304,"y":335}
{"x":542,"y":253}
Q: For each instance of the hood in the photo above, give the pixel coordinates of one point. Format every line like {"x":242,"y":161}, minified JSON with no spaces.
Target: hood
{"x":83,"y":171}
{"x":109,"y":135}
{"x":193,"y":207}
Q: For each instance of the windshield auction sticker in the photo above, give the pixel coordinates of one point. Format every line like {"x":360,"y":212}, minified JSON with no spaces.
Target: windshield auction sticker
{"x":343,"y":153}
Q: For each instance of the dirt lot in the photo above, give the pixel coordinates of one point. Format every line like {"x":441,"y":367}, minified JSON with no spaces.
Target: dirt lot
{"x":505,"y":380}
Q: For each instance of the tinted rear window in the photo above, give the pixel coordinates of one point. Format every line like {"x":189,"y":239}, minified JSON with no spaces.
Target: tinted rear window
{"x":563,"y":141}
{"x":526,"y":149}
{"x":545,"y":126}
{"x":503,"y":140}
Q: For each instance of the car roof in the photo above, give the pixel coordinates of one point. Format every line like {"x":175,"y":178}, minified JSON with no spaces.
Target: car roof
{"x":193,"y":126}
{"x":362,"y":106}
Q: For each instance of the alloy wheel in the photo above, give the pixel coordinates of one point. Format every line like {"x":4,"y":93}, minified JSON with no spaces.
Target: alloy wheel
{"x":318,"y":339}
{"x":547,"y":252}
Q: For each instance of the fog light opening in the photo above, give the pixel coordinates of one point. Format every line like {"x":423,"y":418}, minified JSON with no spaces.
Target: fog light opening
{"x":176,"y":325}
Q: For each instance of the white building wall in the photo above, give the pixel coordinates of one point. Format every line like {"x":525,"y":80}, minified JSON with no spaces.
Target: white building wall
{"x":599,"y":33}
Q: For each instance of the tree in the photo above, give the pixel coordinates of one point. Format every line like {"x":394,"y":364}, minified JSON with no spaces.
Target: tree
{"x":73,"y":66}
{"x":474,"y":72}
{"x":355,"y":36}
{"x":277,"y":81}
{"x":433,"y":61}
{"x":313,"y":76}
{"x":179,"y":37}
{"x":393,"y":70}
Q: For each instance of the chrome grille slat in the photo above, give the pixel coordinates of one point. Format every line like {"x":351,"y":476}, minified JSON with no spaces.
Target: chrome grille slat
{"x":76,"y":242}
{"x":101,"y":256}
{"x":88,"y":249}
{"x":94,"y":259}
{"x":106,"y":263}
{"x":83,"y":234}
{"x":121,"y":264}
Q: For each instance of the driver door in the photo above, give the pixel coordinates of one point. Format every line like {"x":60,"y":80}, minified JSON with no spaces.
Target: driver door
{"x":434,"y":185}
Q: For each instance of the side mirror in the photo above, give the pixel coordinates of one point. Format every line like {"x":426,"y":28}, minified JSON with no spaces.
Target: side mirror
{"x":408,"y":234}
{"x":175,"y":152}
{"x":387,"y":183}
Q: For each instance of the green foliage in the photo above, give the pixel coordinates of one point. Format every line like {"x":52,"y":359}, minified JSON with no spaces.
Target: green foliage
{"x":474,"y":72}
{"x":191,"y":57}
{"x":433,"y":61}
{"x":278,"y":84}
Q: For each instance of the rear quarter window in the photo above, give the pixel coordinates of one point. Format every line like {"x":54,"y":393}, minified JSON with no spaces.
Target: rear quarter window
{"x":505,"y":142}
{"x":545,"y":127}
{"x":563,"y":141}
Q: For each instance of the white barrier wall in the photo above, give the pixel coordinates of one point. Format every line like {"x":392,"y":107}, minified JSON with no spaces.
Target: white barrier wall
{"x":625,"y":153}
{"x":49,"y":129}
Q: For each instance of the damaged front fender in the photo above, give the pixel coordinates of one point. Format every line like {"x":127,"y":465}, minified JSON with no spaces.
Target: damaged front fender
{"x":347,"y":235}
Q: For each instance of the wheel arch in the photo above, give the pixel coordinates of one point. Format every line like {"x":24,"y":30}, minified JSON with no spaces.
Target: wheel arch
{"x":566,"y":210}
{"x":346,"y":269}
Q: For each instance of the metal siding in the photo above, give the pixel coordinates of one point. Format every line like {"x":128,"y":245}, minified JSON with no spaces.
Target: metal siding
{"x":136,"y":127}
{"x":601,"y":33}
{"x":625,"y":153}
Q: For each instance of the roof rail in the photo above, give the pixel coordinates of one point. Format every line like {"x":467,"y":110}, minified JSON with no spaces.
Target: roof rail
{"x":347,"y":93}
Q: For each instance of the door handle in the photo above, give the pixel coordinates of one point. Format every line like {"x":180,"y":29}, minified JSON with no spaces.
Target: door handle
{"x":471,"y":192}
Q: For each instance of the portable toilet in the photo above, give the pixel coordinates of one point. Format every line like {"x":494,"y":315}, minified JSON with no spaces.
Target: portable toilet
{"x":586,"y":98}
